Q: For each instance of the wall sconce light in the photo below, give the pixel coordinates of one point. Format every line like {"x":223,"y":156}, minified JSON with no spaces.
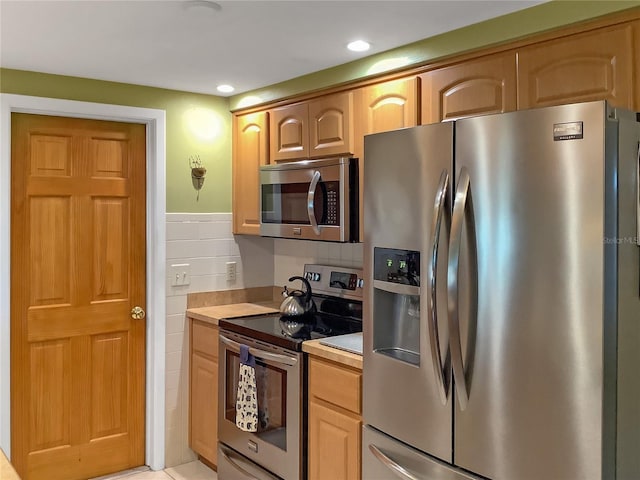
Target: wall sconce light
{"x":197,"y":173}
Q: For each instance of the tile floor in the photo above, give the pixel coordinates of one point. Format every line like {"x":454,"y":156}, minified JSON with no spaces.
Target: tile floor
{"x":188,"y":471}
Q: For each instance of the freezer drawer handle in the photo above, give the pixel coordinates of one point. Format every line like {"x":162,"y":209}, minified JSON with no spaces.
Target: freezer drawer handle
{"x":241,"y":470}
{"x":440,"y":209}
{"x":256,"y":352}
{"x":311,"y":202}
{"x":462,"y":213}
{"x":399,"y":470}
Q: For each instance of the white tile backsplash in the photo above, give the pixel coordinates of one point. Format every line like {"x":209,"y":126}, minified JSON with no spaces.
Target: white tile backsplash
{"x":206,"y":243}
{"x":289,"y":256}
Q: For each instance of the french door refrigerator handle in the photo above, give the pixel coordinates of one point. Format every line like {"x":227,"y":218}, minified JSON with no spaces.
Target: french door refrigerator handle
{"x":434,"y":338}
{"x":396,"y":468}
{"x":462,"y":210}
{"x":256,"y":352}
{"x":241,"y":470}
{"x":310,"y":202}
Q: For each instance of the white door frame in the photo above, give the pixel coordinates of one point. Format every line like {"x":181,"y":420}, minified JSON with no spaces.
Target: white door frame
{"x":156,"y":231}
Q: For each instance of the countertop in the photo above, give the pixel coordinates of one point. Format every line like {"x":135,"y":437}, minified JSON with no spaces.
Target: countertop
{"x":313,"y":347}
{"x":233,"y":310}
{"x":6,"y":470}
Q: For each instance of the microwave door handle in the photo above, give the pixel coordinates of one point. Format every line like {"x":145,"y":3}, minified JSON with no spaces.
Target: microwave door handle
{"x":311,"y":211}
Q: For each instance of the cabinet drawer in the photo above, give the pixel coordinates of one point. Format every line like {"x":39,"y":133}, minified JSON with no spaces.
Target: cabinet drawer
{"x":204,"y":338}
{"x":338,"y":385}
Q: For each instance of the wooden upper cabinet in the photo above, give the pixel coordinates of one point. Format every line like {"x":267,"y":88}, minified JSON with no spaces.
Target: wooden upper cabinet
{"x":250,"y":151}
{"x":318,"y":128}
{"x":475,"y":87}
{"x":331,"y":125}
{"x":596,"y":65}
{"x":289,"y":132}
{"x":383,"y":107}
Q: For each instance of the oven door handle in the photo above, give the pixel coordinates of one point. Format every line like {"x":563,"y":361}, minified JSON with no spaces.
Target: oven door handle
{"x":264,"y":355}
{"x":311,"y":194}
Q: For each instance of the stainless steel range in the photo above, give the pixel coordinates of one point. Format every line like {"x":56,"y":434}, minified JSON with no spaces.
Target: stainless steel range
{"x":278,"y":448}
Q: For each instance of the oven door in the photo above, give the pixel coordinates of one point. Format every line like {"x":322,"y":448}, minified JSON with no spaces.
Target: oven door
{"x":308,"y":200}
{"x":277,"y":445}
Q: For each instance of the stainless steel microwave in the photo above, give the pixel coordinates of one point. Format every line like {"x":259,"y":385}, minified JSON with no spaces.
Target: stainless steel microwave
{"x":311,"y":200}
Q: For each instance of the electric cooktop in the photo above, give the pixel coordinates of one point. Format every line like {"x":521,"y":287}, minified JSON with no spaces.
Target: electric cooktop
{"x":337,"y":296}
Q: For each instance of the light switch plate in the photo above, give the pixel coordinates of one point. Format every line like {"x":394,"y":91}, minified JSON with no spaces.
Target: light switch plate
{"x":180,"y":274}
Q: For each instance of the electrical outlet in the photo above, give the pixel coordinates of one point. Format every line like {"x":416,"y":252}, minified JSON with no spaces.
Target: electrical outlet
{"x":180,"y":274}
{"x":231,"y":271}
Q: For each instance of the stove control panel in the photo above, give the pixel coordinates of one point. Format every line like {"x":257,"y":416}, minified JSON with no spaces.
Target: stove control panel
{"x":335,"y":281}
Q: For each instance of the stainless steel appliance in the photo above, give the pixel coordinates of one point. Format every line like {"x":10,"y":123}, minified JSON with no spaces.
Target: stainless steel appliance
{"x":502,"y":297}
{"x":311,"y":199}
{"x":278,"y":448}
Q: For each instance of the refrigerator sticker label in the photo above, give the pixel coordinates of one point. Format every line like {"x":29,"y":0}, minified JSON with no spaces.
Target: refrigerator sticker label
{"x":567,"y":131}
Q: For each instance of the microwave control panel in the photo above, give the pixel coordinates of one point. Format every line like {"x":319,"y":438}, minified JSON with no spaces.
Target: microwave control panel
{"x":331,"y":191}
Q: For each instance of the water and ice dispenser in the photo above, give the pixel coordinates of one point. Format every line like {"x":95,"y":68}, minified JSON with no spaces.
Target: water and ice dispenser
{"x":396,"y":304}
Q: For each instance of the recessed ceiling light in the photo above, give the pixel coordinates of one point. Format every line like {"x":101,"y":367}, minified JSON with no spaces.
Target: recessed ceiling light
{"x":358,"y":46}
{"x":225,"y":88}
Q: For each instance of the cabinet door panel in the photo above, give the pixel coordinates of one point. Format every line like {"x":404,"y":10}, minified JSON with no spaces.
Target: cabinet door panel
{"x":596,"y":65}
{"x":289,"y":132}
{"x":204,"y":403}
{"x":484,"y":85}
{"x":334,"y":444}
{"x":250,"y":152}
{"x":385,"y":106}
{"x":331,"y":127}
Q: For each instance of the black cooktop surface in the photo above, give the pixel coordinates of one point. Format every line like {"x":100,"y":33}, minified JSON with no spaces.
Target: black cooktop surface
{"x":290,"y":332}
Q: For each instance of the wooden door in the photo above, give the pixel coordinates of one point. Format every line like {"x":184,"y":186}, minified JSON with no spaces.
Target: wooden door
{"x":77,"y":270}
{"x":479,"y":86}
{"x":289,"y":133}
{"x":250,"y":151}
{"x":596,"y":65}
{"x":331,"y":125}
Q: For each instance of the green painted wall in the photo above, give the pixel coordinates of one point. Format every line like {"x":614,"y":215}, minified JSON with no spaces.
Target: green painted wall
{"x":196,"y":124}
{"x":509,"y":27}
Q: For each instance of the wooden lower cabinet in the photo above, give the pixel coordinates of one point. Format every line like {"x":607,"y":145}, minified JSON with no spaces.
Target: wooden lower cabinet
{"x":203,"y":411}
{"x":335,"y":422}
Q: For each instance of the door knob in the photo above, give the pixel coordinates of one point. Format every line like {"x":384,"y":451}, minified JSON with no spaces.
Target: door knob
{"x":137,"y":313}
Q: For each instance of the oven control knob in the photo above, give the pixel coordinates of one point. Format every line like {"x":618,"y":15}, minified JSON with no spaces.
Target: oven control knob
{"x":316,"y":277}
{"x":360,"y":282}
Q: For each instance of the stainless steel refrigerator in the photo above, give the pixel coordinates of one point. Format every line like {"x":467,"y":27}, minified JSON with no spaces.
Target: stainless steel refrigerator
{"x":502,"y":297}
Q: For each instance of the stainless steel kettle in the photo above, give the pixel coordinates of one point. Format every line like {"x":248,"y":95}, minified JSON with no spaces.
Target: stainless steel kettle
{"x":297,"y":302}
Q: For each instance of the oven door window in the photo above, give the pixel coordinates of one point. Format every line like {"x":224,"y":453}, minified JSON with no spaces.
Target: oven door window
{"x":286,"y":203}
{"x":271,"y":389}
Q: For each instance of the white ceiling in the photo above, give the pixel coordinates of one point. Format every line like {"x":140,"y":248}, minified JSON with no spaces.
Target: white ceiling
{"x":193,"y":45}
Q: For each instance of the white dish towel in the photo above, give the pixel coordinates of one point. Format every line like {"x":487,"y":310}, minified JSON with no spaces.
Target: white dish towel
{"x":246,"y":399}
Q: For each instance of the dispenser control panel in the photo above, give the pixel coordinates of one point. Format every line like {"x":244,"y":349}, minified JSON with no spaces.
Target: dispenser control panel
{"x":397,"y":266}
